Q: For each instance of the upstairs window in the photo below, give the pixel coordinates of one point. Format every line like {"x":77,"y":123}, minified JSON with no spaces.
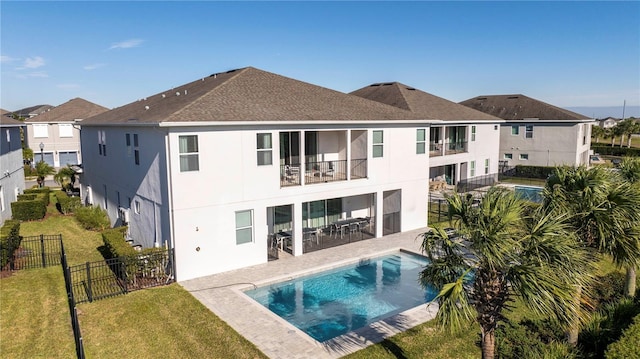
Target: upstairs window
{"x":127,"y":140}
{"x":486,"y":166}
{"x":65,"y":130}
{"x":473,"y":133}
{"x":528,"y":131}
{"x":265,"y":149}
{"x":40,"y":130}
{"x":188,"y":153}
{"x":136,"y":150}
{"x":378,"y":144}
{"x":515,"y":130}
{"x":421,"y":141}
{"x":472,"y":171}
{"x":102,"y":143}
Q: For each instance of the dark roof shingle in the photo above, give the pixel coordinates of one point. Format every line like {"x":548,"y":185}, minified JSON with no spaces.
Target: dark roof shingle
{"x":250,"y":95}
{"x":75,"y":109}
{"x":420,"y":102}
{"x":518,"y":107}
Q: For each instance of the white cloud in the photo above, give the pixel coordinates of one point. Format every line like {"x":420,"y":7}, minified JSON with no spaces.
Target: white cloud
{"x":127,"y":44}
{"x":67,"y":86}
{"x":93,"y":66}
{"x":32,"y":63}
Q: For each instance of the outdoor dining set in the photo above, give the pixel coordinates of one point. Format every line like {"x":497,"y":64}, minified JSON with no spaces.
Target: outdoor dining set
{"x":343,"y":228}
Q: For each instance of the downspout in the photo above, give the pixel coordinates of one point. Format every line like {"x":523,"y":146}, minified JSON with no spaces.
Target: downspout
{"x":172,"y":235}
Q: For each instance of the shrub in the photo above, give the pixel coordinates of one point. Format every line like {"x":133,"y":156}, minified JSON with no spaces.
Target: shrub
{"x":627,"y":347}
{"x":531,"y":339}
{"x":28,"y":210}
{"x":114,"y":242}
{"x":9,"y":241}
{"x":92,"y":218}
{"x":615,"y":151}
{"x":29,"y":171}
{"x":27,"y":196}
{"x":67,"y":204}
{"x":44,"y":193}
{"x":540,"y":172}
{"x":609,"y":288}
{"x":606,"y":326}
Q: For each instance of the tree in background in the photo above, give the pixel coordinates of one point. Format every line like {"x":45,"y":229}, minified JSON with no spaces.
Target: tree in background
{"x":43,"y":170}
{"x":597,"y":132}
{"x":629,"y":171}
{"x":65,"y":175}
{"x":505,"y":249}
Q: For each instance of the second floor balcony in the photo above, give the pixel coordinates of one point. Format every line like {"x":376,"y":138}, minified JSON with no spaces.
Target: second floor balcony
{"x":322,"y":172}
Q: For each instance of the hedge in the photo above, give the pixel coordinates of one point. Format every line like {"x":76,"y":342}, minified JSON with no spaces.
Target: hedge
{"x":9,"y":241}
{"x":627,"y":346}
{"x":615,"y":151}
{"x":116,"y":245}
{"x":92,"y":218}
{"x":67,"y":204}
{"x":541,"y":172}
{"x":44,"y":192}
{"x":29,"y":210}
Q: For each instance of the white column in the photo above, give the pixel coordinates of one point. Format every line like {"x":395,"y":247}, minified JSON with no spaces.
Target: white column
{"x":296,"y":231}
{"x":379,"y":214}
{"x":348,"y":154}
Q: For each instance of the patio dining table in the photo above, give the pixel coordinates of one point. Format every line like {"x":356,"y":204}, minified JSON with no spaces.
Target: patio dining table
{"x":341,"y":225}
{"x":281,"y":236}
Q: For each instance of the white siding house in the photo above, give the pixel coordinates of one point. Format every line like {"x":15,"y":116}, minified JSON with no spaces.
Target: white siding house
{"x":215,"y":168}
{"x":536,"y":133}
{"x":463,"y":145}
{"x":11,"y":165}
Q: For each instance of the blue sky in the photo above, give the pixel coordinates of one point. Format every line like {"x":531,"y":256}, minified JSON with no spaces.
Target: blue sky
{"x":569,"y":54}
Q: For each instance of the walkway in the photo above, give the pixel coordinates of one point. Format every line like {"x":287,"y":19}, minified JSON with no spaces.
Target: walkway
{"x":275,"y":337}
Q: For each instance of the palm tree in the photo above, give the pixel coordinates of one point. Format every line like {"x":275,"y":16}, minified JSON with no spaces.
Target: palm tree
{"x":505,"y":250}
{"x":603,"y":211}
{"x":629,"y":171}
{"x":597,"y":132}
{"x":65,"y":174}
{"x":634,"y":128}
{"x":43,"y":170}
{"x":617,"y":130}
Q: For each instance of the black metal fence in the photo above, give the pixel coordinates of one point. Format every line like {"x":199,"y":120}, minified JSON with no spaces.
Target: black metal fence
{"x":474,"y":183}
{"x":75,"y":324}
{"x":37,"y":252}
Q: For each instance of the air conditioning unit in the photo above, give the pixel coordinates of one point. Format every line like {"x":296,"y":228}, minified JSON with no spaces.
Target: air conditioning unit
{"x":124,"y":214}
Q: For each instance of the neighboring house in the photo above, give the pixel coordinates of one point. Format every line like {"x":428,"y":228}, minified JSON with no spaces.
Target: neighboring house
{"x":11,"y":165}
{"x":463,"y":147}
{"x":32,"y":111}
{"x":54,"y":136}
{"x":215,"y":167}
{"x":536,"y":133}
{"x":608,"y":122}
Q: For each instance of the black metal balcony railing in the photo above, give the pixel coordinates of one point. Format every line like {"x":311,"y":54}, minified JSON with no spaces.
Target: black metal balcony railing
{"x":290,"y":175}
{"x":325,"y":171}
{"x":435,"y":149}
{"x":456,"y":147}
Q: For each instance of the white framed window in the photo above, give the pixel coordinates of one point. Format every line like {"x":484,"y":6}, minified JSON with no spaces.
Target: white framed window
{"x":528,"y":131}
{"x":472,"y":170}
{"x":65,"y":130}
{"x":189,"y":157}
{"x":378,"y":144}
{"x":524,"y":156}
{"x":1,"y":199}
{"x":8,"y":133}
{"x":486,"y":166}
{"x":508,"y":156}
{"x":136,"y":150}
{"x":421,"y":141}
{"x":515,"y":130}
{"x":127,"y":140}
{"x":473,"y":133}
{"x":40,"y":130}
{"x":136,"y":206}
{"x":264,"y":149}
{"x":244,"y":227}
{"x":102,"y":143}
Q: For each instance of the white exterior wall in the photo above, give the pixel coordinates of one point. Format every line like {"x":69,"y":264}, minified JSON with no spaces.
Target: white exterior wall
{"x":553,"y":144}
{"x":145,"y":183}
{"x":11,"y":167}
{"x":229,"y":180}
{"x":54,"y":143}
{"x":485,"y":146}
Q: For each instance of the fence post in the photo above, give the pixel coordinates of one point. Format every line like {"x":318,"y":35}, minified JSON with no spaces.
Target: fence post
{"x":89,"y":290}
{"x":44,"y":258}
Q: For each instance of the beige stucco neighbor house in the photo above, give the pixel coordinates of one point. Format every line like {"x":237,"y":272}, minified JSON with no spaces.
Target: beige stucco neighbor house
{"x":463,"y":147}
{"x":11,"y":165}
{"x":536,"y":133}
{"x":225,"y":167}
{"x":54,"y":135}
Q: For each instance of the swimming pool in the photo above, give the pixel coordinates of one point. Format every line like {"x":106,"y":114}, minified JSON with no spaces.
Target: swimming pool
{"x":529,"y":193}
{"x":334,"y":302}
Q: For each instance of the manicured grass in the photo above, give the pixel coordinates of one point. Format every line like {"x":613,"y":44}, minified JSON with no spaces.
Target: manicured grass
{"x":34,"y":315}
{"x":635,"y":141}
{"x":162,"y":322}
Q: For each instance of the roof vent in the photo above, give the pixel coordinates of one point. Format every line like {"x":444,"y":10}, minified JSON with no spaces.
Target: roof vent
{"x":178,"y":93}
{"x":163,"y":96}
{"x":185,"y":92}
{"x":387,"y":84}
{"x":146,"y":107}
{"x":411,"y":89}
{"x":481,"y":98}
{"x":230,"y":71}
{"x":375,"y":85}
{"x":512,"y":97}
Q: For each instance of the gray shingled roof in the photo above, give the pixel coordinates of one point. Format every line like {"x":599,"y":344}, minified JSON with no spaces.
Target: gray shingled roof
{"x":33,"y":110}
{"x":519,"y":107}
{"x":75,"y":109}
{"x":10,"y":122}
{"x":421,"y":103}
{"x":250,"y":94}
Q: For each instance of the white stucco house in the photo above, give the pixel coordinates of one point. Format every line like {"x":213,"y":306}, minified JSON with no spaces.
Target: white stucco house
{"x":463,"y":147}
{"x":217,"y":167}
{"x":11,"y":165}
{"x":536,"y":133}
{"x":54,"y":135}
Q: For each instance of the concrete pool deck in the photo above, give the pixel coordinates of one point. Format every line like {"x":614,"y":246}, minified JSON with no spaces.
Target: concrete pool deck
{"x":276,"y":338}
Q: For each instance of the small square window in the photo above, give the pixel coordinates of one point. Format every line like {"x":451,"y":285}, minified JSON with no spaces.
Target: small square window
{"x":515,"y":130}
{"x":508,"y":156}
{"x":524,"y":156}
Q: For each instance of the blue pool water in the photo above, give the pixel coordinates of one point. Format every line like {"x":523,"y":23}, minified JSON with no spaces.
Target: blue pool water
{"x":533,"y":194}
{"x":331,"y":303}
